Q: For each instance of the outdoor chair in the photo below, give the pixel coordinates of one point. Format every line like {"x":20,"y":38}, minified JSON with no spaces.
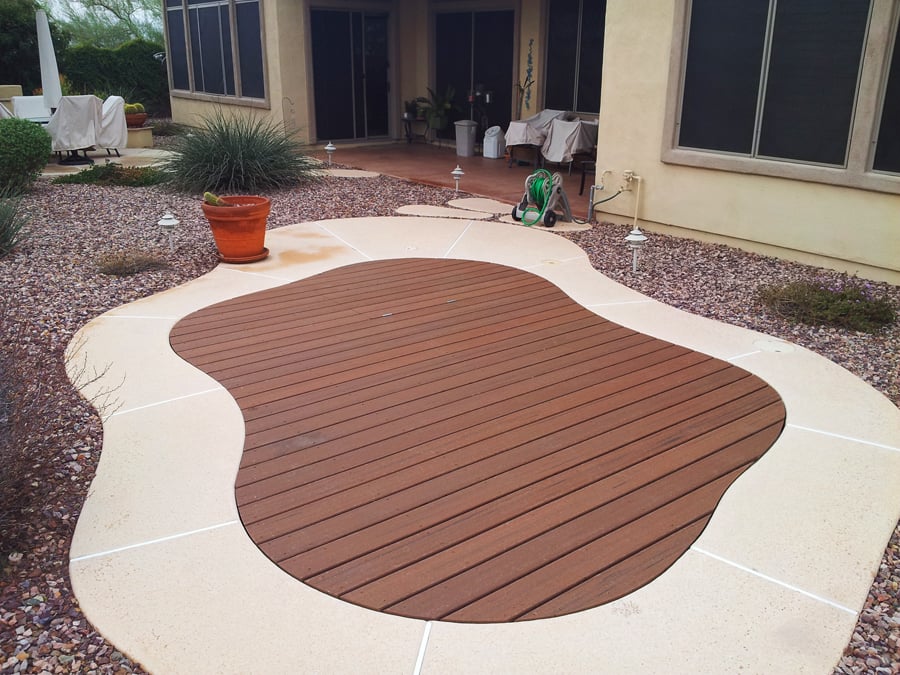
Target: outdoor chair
{"x":113,"y":131}
{"x":74,"y":127}
{"x":31,"y":108}
{"x":530,"y":132}
{"x":4,"y":112}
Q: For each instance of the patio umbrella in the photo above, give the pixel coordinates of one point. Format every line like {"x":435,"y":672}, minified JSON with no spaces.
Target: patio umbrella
{"x":49,"y":69}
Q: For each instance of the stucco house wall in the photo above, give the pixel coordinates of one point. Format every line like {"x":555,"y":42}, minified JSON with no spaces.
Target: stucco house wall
{"x":823,"y":216}
{"x":846,"y":228}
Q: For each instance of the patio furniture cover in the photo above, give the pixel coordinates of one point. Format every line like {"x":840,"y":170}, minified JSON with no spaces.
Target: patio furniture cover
{"x":532,"y":130}
{"x":113,"y":131}
{"x":76,"y":123}
{"x":30,"y":108}
{"x":4,"y":112}
{"x":567,"y":138}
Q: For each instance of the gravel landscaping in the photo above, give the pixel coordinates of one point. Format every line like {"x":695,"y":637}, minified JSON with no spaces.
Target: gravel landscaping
{"x":50,"y":287}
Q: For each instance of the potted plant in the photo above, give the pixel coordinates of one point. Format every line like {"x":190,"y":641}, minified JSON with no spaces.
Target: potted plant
{"x":438,"y":107}
{"x":238,"y":225}
{"x":135,"y":116}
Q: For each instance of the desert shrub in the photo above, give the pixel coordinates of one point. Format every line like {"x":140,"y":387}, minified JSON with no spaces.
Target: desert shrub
{"x":849,"y":304}
{"x":114,"y":174}
{"x":237,"y":155}
{"x":12,"y":222}
{"x":24,"y":151}
{"x":126,"y":263}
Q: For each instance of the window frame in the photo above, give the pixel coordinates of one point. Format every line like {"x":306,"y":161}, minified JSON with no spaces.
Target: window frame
{"x":227,"y":99}
{"x":858,"y":171}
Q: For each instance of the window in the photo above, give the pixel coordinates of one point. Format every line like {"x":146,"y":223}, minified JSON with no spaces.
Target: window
{"x":887,"y":151}
{"x":801,"y":89}
{"x":215,"y":47}
{"x":774,"y":80}
{"x":575,"y":55}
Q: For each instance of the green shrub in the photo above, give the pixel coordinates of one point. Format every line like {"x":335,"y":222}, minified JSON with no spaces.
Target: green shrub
{"x":24,"y":151}
{"x":129,"y":71}
{"x":12,"y":223}
{"x":114,"y":174}
{"x":126,"y":263}
{"x":848,"y":304}
{"x":237,"y":155}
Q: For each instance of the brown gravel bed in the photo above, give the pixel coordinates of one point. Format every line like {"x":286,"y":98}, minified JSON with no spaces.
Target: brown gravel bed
{"x":52,"y":283}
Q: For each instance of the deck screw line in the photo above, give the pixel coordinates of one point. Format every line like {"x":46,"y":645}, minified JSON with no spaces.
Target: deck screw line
{"x":844,"y":438}
{"x":420,"y":659}
{"x":777,"y":582}
{"x":168,"y":400}
{"x":151,"y":542}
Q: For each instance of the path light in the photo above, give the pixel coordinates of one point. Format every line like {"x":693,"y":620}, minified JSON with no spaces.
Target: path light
{"x":330,"y":148}
{"x":635,"y":240}
{"x":457,"y":173}
{"x":168,"y":223}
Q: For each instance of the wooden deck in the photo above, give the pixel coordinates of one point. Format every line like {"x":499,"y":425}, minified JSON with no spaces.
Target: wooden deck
{"x":446,"y":439}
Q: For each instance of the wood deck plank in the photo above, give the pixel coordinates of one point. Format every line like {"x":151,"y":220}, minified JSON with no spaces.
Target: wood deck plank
{"x":455,"y":439}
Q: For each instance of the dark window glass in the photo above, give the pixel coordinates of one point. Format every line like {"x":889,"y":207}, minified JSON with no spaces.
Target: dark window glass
{"x":177,"y":49}
{"x":210,"y":46}
{"x":493,"y":35}
{"x":562,"y":55}
{"x":590,"y":62}
{"x":332,"y":74}
{"x":197,"y":55}
{"x":813,"y":71}
{"x":722,"y":75}
{"x":887,"y":152}
{"x":453,"y":62}
{"x":250,"y":49}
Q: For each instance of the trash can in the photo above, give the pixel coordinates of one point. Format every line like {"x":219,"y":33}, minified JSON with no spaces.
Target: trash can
{"x":494,"y":143}
{"x":465,"y":138}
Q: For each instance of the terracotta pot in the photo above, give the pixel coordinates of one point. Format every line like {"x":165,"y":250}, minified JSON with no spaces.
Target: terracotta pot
{"x":135,"y":120}
{"x":240,"y":230}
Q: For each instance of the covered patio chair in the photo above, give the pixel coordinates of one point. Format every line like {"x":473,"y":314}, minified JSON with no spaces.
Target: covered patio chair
{"x":74,"y":127}
{"x":31,"y":108}
{"x":4,"y":112}
{"x":113,"y":131}
{"x":531,"y":132}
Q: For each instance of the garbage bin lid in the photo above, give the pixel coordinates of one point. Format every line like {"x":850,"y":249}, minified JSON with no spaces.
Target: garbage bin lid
{"x":466,"y":123}
{"x":493,"y":131}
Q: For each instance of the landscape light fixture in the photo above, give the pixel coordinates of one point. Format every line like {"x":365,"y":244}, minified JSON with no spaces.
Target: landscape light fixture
{"x":635,"y":240}
{"x":330,"y":148}
{"x":457,"y":173}
{"x":167,"y":223}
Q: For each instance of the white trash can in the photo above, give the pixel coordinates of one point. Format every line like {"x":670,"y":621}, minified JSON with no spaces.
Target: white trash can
{"x":465,"y":138}
{"x":494,"y":143}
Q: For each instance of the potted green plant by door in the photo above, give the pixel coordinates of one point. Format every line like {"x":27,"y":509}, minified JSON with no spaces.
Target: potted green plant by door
{"x":437,"y":107}
{"x":238,"y":225}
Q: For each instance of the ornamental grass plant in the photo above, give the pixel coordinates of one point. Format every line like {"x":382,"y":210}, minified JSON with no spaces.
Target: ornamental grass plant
{"x":12,"y":221}
{"x":237,"y":155}
{"x":849,"y":304}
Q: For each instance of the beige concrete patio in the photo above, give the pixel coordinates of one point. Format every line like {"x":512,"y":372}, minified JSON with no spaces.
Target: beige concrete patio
{"x":162,"y":566}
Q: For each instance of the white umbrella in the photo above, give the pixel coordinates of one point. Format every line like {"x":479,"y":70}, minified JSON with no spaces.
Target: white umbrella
{"x":49,"y":69}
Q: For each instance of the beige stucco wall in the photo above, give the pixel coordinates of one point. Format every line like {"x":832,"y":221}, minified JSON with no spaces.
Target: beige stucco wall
{"x":287,"y":55}
{"x":851,"y":229}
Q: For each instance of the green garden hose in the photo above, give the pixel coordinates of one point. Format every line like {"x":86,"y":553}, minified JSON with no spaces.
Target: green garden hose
{"x":540,"y":188}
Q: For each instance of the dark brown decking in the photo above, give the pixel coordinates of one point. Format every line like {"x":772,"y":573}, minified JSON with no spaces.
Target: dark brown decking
{"x":445,"y":439}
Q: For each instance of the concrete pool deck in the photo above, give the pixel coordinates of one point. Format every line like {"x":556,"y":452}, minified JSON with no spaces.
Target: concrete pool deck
{"x":162,"y":566}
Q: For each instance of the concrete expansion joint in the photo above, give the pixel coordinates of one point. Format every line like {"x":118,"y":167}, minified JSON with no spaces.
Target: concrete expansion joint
{"x":777,"y":582}
{"x":853,"y":439}
{"x":168,"y":400}
{"x":151,"y":542}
